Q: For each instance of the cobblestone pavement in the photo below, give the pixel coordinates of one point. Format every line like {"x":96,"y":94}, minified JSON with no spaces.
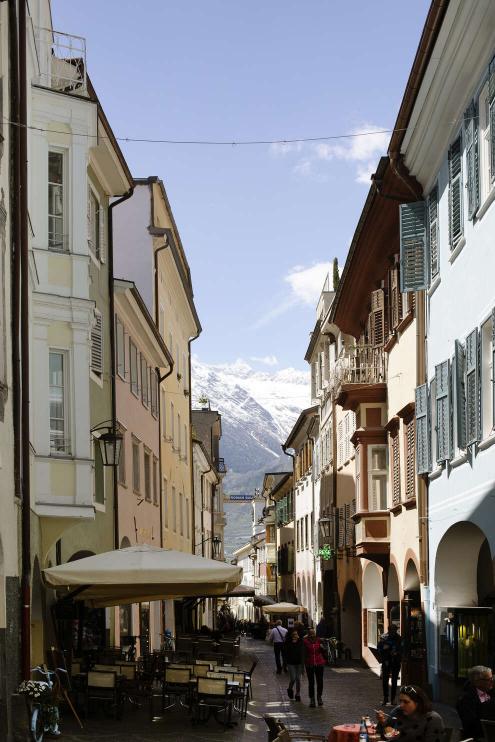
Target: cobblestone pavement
{"x":350,"y":691}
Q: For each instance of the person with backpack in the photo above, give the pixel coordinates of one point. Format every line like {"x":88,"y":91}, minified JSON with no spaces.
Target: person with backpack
{"x":277,"y":638}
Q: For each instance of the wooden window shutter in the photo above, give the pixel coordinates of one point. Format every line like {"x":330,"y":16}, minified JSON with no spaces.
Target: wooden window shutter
{"x":97,"y":344}
{"x":410,"y":460}
{"x":443,"y":417}
{"x":455,"y":193}
{"x":433,"y":232}
{"x":395,"y":470}
{"x":472,"y":158}
{"x":491,"y":115}
{"x":472,"y":388}
{"x":341,"y":528}
{"x":413,"y":247}
{"x":395,"y":297}
{"x":423,"y":430}
{"x":103,"y":231}
{"x":377,"y":318}
{"x":460,"y":393}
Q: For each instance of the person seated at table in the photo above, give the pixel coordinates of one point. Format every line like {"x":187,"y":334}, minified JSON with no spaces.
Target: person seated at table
{"x":413,"y":718}
{"x":168,"y":641}
{"x":477,"y":701}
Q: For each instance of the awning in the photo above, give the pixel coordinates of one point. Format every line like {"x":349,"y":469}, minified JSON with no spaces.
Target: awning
{"x":284,"y":608}
{"x":261,"y":600}
{"x":142,"y":573}
{"x":241,"y":591}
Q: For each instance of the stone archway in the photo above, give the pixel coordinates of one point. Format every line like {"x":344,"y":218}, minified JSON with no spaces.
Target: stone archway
{"x":457,"y":566}
{"x":351,"y":619}
{"x":393,"y":596}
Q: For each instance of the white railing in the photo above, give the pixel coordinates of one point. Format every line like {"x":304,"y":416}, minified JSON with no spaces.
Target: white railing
{"x":360,"y":364}
{"x":61,"y":61}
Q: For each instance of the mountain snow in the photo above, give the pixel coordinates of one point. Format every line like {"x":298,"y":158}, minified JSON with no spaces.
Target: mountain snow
{"x":258,"y":411}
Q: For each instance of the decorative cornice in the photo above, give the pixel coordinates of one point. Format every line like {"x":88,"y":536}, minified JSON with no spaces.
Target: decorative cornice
{"x":352,"y":395}
{"x":407,"y":412}
{"x":368,"y":436}
{"x":393,"y":425}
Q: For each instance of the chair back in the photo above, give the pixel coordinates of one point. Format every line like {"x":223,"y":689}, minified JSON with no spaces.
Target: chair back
{"x":252,"y":668}
{"x":202,"y":662}
{"x":240,"y":678}
{"x":106,"y":668}
{"x":224,"y":675}
{"x":128,"y":671}
{"x":101,"y":679}
{"x":201,"y":671}
{"x":180,"y":666}
{"x":177,"y":675}
{"x":212,"y":686}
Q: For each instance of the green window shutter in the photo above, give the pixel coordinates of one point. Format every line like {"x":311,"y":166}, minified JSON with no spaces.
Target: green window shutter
{"x":491,"y":115}
{"x":460,"y":393}
{"x":455,"y":193}
{"x":472,"y":388}
{"x":423,"y":430}
{"x":472,"y":158}
{"x":443,"y":418}
{"x":432,"y":205}
{"x":413,"y":247}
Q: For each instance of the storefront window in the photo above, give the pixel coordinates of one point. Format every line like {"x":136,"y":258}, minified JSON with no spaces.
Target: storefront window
{"x":465,"y":639}
{"x":375,"y":626}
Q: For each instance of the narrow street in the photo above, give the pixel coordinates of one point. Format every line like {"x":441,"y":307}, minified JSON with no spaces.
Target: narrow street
{"x":350,"y":691}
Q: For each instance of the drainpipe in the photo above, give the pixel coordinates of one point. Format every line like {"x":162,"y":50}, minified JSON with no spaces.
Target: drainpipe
{"x":24,"y":317}
{"x":191,"y":469}
{"x":113,"y":369}
{"x":15,"y":238}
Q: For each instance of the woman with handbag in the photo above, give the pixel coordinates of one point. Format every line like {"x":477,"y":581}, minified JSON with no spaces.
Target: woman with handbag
{"x":314,"y":660}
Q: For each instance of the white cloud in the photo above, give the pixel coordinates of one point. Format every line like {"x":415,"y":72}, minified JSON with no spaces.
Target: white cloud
{"x":267,"y":360}
{"x":281,"y":149}
{"x":306,"y":283}
{"x":363,"y":148}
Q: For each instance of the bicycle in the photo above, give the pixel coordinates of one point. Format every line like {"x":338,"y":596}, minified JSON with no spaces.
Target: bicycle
{"x":43,"y":696}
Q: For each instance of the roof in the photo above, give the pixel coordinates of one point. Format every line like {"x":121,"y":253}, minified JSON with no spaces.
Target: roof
{"x":305,"y":415}
{"x":312,"y":340}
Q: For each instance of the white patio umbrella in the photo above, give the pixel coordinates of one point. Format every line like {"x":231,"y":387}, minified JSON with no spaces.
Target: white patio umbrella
{"x":284,"y":608}
{"x":142,"y":573}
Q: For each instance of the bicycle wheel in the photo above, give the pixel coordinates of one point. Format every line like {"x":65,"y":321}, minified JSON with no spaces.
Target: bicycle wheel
{"x":37,"y":725}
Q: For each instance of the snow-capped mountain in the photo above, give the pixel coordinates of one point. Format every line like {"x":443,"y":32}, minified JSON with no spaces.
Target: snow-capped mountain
{"x":258,"y":410}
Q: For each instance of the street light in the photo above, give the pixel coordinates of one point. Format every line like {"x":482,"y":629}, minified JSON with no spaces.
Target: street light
{"x":110,"y":442}
{"x":326,"y":527}
{"x":216,"y":545}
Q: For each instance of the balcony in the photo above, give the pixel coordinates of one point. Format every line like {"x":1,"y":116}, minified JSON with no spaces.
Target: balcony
{"x":373,"y":536}
{"x":61,"y":61}
{"x":271,"y":553}
{"x":360,"y":374}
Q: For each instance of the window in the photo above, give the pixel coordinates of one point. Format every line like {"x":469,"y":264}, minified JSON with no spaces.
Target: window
{"x":97,"y":344}
{"x":487,"y":374}
{"x":442,"y":411}
{"x":172,"y":423}
{"x":147,"y":476}
{"x":459,"y":394}
{"x":59,"y":441}
{"x":99,"y":476}
{"x":144,"y":382}
{"x":57,"y":239}
{"x":133,"y":361}
{"x":472,"y":158}
{"x":165,"y":501}
{"x":377,"y":477}
{"x":456,"y":226}
{"x":181,"y":514}
{"x":163,"y":411}
{"x":154,"y":393}
{"x":121,"y":467}
{"x":423,"y":431}
{"x":472,"y":388}
{"x":340,"y":443}
{"x":185,"y":444}
{"x":155,"y":482}
{"x":395,"y":455}
{"x":120,"y":347}
{"x":375,"y":626}
{"x":410,"y":442}
{"x":433,"y":243}
{"x":179,"y":432}
{"x":94,"y":227}
{"x":136,"y":473}
{"x":358,"y":478}
{"x":174,"y":511}
{"x":413,"y":247}
{"x":377,"y":318}
{"x":486,"y":140}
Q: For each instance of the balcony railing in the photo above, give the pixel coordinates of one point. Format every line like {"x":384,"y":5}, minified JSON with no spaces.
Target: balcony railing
{"x":360,"y":364}
{"x":61,"y":61}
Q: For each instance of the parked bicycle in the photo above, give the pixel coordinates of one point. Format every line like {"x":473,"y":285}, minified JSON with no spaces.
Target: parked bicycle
{"x":43,"y":696}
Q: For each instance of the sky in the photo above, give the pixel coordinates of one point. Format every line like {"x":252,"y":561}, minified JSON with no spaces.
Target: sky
{"x":260,"y":224}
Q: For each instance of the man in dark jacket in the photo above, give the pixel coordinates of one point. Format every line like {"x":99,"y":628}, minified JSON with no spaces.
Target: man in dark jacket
{"x":390,"y":656}
{"x":476,"y":702}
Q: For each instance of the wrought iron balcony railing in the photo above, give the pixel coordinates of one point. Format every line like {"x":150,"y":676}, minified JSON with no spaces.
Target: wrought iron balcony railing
{"x":360,"y":364}
{"x":61,"y":61}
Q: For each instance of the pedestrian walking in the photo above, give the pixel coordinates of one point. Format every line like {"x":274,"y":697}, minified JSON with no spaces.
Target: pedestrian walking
{"x":390,"y":656}
{"x":314,"y":661}
{"x":277,"y":637}
{"x":294,"y":658}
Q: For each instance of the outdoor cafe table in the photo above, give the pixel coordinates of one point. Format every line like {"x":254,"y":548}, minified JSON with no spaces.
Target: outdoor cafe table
{"x":344,"y":733}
